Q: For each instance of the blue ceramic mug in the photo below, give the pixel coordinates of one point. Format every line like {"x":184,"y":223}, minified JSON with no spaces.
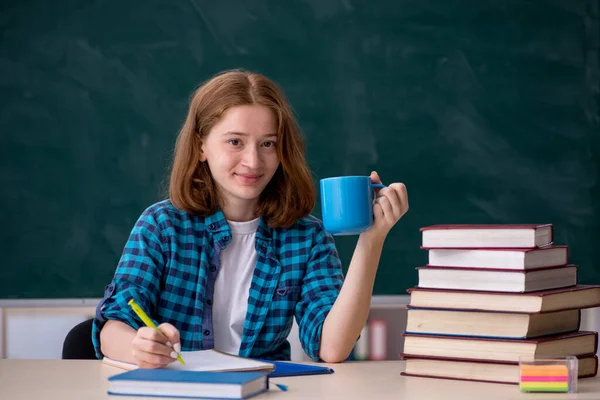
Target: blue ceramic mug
{"x":347,"y":204}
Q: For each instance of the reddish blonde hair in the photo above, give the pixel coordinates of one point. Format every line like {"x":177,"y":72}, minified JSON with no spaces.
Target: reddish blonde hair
{"x":289,"y":195}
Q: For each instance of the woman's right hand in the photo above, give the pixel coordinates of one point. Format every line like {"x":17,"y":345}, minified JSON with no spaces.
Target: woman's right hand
{"x":156,"y":349}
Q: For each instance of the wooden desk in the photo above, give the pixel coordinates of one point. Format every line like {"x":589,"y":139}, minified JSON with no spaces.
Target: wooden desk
{"x":87,"y":380}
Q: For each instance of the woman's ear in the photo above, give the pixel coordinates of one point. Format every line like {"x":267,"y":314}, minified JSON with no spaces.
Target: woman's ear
{"x":202,"y":155}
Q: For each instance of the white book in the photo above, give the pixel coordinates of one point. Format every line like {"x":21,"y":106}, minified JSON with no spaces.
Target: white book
{"x":550,"y":256}
{"x":497,"y":280}
{"x":493,"y":236}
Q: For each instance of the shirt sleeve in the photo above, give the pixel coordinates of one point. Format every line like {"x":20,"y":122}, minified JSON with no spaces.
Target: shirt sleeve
{"x":137,"y":277}
{"x":320,"y":288}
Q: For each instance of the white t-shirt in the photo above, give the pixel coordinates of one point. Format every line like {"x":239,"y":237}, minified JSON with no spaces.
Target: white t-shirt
{"x":232,"y":286}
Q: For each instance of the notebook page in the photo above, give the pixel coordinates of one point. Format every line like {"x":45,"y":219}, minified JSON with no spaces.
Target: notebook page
{"x":212,"y":360}
{"x":205,"y":360}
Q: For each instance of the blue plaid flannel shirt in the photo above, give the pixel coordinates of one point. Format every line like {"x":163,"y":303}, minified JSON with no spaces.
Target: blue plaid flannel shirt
{"x":170,"y":262}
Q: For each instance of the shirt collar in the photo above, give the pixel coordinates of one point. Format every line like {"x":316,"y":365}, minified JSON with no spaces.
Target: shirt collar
{"x":264,"y":231}
{"x":216,"y":223}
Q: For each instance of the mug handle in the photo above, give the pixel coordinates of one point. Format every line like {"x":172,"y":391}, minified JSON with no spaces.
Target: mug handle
{"x":377,"y":185}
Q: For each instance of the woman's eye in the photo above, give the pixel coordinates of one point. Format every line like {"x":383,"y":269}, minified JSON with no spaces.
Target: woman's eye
{"x":234,"y":142}
{"x":269,"y":144}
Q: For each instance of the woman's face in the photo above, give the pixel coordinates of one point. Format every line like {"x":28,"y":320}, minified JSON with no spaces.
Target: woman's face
{"x":241,"y":153}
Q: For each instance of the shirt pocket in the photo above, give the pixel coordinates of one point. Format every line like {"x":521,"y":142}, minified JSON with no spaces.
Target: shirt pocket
{"x":287,"y":293}
{"x":284,"y":300}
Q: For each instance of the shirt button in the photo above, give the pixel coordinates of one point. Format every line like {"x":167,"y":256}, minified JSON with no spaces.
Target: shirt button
{"x":206,"y":332}
{"x":209,"y":302}
{"x":213,"y":268}
{"x":211,"y":227}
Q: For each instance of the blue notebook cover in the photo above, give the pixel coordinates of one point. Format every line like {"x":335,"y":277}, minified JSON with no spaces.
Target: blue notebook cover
{"x":167,"y":376}
{"x":171,"y":375}
{"x":285,"y":368}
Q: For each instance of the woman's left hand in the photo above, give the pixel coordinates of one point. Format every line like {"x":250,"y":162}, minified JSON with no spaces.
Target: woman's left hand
{"x":389,"y":205}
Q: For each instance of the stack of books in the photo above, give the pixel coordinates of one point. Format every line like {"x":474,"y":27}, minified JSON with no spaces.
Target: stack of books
{"x":490,"y":294}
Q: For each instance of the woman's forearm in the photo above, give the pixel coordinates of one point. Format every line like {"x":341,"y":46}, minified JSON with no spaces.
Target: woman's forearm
{"x":349,"y":314}
{"x":116,"y":341}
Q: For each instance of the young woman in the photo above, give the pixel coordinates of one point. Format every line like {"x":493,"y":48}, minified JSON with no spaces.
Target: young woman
{"x":233,"y":256}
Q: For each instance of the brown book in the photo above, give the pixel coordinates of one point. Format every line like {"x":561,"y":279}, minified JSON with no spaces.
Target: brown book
{"x":495,"y":235}
{"x":570,"y":298}
{"x":497,"y":280}
{"x":476,"y":348}
{"x":482,"y":370}
{"x":519,"y":259}
{"x":491,"y":324}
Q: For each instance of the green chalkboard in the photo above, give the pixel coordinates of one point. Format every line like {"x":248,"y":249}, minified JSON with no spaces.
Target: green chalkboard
{"x":488,"y":110}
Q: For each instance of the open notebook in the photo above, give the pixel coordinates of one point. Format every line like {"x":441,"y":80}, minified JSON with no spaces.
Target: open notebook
{"x":213,"y":360}
{"x":206,"y":360}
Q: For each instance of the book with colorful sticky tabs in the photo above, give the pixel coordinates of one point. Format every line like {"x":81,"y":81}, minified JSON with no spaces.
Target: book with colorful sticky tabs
{"x":548,"y":375}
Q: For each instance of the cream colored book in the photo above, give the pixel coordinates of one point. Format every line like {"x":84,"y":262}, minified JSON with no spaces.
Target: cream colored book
{"x":570,"y":298}
{"x":580,"y":343}
{"x":490,"y":324}
{"x":205,"y":360}
{"x":481,"y":370}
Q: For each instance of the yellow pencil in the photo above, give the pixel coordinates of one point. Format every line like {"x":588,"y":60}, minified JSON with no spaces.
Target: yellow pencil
{"x":148,"y":322}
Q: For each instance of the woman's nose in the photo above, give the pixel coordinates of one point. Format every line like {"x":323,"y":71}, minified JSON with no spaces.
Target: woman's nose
{"x":251,"y":157}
